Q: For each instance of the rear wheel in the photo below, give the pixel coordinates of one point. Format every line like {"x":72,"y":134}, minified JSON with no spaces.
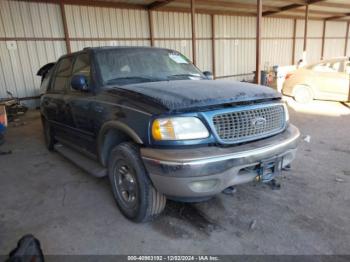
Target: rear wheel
{"x":48,"y":134}
{"x":303,"y":94}
{"x":133,"y":191}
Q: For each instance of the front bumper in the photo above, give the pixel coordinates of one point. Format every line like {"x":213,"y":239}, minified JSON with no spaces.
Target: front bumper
{"x":204,"y":172}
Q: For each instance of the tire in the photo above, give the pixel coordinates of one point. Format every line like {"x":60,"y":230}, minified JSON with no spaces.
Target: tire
{"x":48,"y":135}
{"x":303,"y":94}
{"x":132,"y":189}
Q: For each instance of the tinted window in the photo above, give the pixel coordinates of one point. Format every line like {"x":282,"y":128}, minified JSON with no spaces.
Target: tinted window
{"x":45,"y":82}
{"x":82,"y":65}
{"x":63,"y":73}
{"x":133,"y":65}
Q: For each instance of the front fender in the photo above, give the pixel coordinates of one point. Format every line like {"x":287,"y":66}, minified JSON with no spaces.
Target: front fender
{"x":119,"y":127}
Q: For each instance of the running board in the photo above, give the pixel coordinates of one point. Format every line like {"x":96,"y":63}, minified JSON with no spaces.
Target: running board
{"x":87,"y":164}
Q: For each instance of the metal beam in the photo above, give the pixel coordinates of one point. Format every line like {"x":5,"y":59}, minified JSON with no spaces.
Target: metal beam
{"x":337,"y":17}
{"x":258,"y":41}
{"x":151,"y":26}
{"x":334,"y":5}
{"x":109,"y":4}
{"x":282,"y":9}
{"x":306,"y":21}
{"x":323,"y":38}
{"x":65,"y":28}
{"x":346,"y":40}
{"x":213,"y":45}
{"x":100,"y":4}
{"x":193,"y":25}
{"x":158,"y":4}
{"x":290,"y":7}
{"x":224,"y":3}
{"x":294,"y":40}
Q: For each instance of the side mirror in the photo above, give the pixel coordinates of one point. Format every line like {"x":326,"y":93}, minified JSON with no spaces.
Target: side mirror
{"x":80,"y":83}
{"x":208,"y":75}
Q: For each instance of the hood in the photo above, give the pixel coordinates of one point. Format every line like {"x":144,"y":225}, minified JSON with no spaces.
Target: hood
{"x":188,"y":94}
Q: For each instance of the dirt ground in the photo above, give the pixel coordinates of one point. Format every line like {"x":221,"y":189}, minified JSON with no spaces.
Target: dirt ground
{"x":73,"y":213}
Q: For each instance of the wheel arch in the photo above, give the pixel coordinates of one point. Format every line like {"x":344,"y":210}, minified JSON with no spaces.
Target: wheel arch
{"x":307,"y":85}
{"x":111,"y":134}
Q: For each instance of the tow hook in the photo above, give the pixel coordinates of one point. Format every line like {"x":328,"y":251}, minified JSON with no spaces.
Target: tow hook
{"x":267,"y":174}
{"x":274,"y":185}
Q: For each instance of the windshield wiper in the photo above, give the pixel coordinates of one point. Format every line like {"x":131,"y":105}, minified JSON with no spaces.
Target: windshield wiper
{"x":141,"y":78}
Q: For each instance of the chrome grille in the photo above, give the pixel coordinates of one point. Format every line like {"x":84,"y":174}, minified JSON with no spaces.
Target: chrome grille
{"x":250,"y":124}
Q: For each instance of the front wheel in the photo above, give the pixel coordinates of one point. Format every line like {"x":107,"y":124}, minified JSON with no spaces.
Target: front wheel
{"x":133,"y":191}
{"x":303,"y":94}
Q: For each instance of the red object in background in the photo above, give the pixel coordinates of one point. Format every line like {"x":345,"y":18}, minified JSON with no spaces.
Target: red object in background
{"x":3,"y":117}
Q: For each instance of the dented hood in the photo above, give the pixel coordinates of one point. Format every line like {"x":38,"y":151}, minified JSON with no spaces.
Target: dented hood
{"x":187,"y":94}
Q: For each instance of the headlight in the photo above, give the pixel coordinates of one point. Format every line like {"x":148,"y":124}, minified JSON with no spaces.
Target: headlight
{"x":178,"y":128}
{"x":286,"y":113}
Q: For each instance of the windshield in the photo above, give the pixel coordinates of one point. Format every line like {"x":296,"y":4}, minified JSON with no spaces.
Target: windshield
{"x":136,"y":65}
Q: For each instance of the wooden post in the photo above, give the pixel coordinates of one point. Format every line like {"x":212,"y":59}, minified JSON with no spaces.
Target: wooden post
{"x":294,"y":40}
{"x":213,"y":45}
{"x":323,"y":38}
{"x":65,"y":28}
{"x":346,"y":39}
{"x":193,"y":23}
{"x":305,"y":32}
{"x":151,"y":28}
{"x":258,"y":42}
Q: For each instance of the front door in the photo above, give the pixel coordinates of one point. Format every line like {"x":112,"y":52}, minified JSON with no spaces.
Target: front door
{"x":54,"y":102}
{"x":78,"y":106}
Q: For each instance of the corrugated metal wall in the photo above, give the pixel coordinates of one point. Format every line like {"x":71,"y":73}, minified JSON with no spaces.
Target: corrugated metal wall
{"x":234,"y":45}
{"x":335,"y":40}
{"x":106,"y":26}
{"x":314,"y":42}
{"x":20,"y":60}
{"x":39,"y":39}
{"x":277,"y":41}
{"x":204,"y":42}
{"x":174,"y":29}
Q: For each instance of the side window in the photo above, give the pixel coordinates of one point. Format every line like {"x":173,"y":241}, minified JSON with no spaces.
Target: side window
{"x":82,"y":66}
{"x":329,"y":67}
{"x":63,"y":73}
{"x":337,"y":66}
{"x":45,"y":82}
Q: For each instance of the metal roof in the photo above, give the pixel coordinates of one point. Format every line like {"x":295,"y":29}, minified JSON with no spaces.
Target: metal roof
{"x":318,"y":9}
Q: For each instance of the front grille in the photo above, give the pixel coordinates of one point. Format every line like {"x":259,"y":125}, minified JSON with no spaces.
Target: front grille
{"x":246,"y":125}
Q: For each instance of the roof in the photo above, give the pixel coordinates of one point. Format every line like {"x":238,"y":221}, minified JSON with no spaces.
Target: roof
{"x":318,"y":9}
{"x":98,"y":48}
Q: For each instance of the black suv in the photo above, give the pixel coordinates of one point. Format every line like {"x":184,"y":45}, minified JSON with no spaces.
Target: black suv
{"x":160,"y":128}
